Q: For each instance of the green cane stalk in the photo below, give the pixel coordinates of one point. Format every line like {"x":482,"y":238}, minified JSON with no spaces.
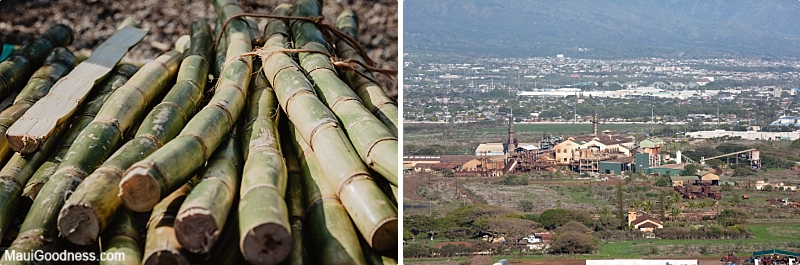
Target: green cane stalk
{"x":373,"y":141}
{"x":372,"y":212}
{"x":17,"y":68}
{"x":331,"y":232}
{"x":264,"y":226}
{"x":166,"y":169}
{"x":373,"y":96}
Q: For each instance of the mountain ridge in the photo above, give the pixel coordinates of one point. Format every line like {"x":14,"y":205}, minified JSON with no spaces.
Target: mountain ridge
{"x":604,"y":28}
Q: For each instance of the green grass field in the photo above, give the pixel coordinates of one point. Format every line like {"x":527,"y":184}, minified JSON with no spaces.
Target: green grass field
{"x":767,"y":236}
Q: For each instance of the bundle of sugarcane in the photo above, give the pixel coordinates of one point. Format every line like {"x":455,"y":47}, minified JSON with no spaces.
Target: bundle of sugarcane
{"x":372,"y":212}
{"x":294,"y":157}
{"x":91,"y":207}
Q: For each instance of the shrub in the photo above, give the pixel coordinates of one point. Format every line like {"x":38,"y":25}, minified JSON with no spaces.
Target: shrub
{"x":731,"y":217}
{"x":573,"y":243}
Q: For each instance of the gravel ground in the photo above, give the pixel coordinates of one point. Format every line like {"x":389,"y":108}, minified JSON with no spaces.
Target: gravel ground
{"x":95,"y":20}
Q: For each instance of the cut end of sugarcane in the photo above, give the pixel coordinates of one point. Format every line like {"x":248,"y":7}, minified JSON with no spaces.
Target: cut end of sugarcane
{"x":266,"y":244}
{"x":196,"y":230}
{"x":32,"y":190}
{"x":24,"y":144}
{"x":384,"y":237}
{"x":166,"y":257}
{"x":138,"y":190}
{"x":79,"y":224}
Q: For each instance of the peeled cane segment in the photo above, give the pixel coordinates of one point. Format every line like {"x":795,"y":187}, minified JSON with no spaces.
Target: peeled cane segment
{"x":38,"y":123}
{"x":84,"y":116}
{"x":57,"y":64}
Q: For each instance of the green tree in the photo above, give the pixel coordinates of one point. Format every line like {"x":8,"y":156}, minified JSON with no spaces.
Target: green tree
{"x":662,"y":204}
{"x":731,"y":217}
{"x":620,"y":203}
{"x":663,"y":181}
{"x":607,"y":222}
{"x":573,"y":243}
{"x":417,"y":224}
{"x":743,"y":171}
{"x":407,"y":235}
{"x":573,"y":226}
{"x":690,"y":169}
{"x":553,"y":218}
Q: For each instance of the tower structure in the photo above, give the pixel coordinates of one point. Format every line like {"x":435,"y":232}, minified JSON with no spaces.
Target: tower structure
{"x":512,"y":140}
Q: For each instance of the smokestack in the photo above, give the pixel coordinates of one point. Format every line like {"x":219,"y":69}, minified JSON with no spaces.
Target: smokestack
{"x":678,"y":157}
{"x":512,"y":140}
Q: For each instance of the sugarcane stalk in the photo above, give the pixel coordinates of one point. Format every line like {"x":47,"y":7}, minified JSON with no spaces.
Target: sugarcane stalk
{"x":57,"y":64}
{"x":372,"y":212}
{"x":91,"y":207}
{"x":84,"y":116}
{"x":38,"y":123}
{"x":5,"y":154}
{"x":226,"y":250}
{"x":377,"y":258}
{"x":166,"y":169}
{"x":122,"y":237}
{"x":264,"y":226}
{"x":371,"y":94}
{"x":202,"y":215}
{"x":373,"y":141}
{"x":8,"y":101}
{"x":15,"y":174}
{"x":94,"y":144}
{"x":17,"y":68}
{"x":296,"y":202}
{"x":331,"y":233}
{"x":161,"y":246}
{"x":388,"y":188}
{"x":219,"y":58}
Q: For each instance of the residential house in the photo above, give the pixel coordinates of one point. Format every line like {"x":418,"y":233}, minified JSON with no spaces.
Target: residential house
{"x":644,"y":223}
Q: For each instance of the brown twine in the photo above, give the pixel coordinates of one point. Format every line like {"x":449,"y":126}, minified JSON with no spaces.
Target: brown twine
{"x":319,"y":21}
{"x":350,"y":64}
{"x":327,"y":28}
